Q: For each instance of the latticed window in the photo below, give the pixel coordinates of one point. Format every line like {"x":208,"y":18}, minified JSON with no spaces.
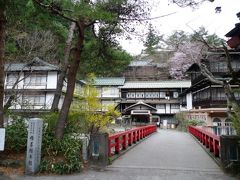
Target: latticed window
{"x":175,"y":106}
{"x":162,"y":94}
{"x":35,"y":79}
{"x":34,"y":100}
{"x":11,"y":79}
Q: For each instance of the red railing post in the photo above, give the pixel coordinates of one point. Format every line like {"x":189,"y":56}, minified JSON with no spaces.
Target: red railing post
{"x":117,"y":145}
{"x":134,"y":136}
{"x":138,"y":135}
{"x":124,"y":144}
{"x":216,"y":148}
{"x":211,"y":144}
{"x":127,"y":138}
{"x":208,"y":139}
{"x":130,"y":138}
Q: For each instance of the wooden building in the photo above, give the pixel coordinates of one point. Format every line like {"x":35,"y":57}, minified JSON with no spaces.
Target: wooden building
{"x":152,"y":101}
{"x":208,"y":99}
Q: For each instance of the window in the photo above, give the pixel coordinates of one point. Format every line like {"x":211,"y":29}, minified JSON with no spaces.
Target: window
{"x":11,"y":79}
{"x":156,"y":94}
{"x":175,"y":94}
{"x":162,"y":95}
{"x":139,"y":94}
{"x":175,"y":106}
{"x":160,"y":106}
{"x":114,"y":91}
{"x":130,"y":95}
{"x":148,"y":95}
{"x":222,"y":67}
{"x":218,"y":94}
{"x":36,"y":79}
{"x":237,"y":95}
{"x":33,"y":100}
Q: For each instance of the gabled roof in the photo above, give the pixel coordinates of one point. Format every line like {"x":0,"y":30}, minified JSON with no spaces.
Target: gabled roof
{"x":109,"y":81}
{"x":155,"y":84}
{"x":234,"y":32}
{"x":35,"y":65}
{"x":138,"y":104}
{"x":193,"y":68}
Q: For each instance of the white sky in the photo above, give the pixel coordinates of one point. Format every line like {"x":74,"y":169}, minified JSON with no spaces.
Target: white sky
{"x":188,"y":19}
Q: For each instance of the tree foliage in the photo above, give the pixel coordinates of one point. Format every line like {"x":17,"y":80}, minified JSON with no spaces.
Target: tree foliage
{"x":27,"y":36}
{"x":88,"y":14}
{"x":176,"y":39}
{"x":190,"y":49}
{"x":103,"y":59}
{"x":90,"y":106}
{"x":153,"y":40}
{"x":189,"y":3}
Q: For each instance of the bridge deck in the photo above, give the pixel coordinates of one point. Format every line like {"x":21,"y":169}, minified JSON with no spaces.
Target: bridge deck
{"x":172,"y":154}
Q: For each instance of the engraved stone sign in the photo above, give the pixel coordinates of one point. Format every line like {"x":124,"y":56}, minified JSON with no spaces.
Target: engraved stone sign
{"x":2,"y":138}
{"x":34,"y":144}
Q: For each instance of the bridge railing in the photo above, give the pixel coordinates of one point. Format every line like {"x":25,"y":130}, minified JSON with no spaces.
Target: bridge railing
{"x":122,"y":140}
{"x":208,"y":139}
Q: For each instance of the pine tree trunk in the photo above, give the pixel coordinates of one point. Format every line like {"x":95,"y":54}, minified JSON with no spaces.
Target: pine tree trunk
{"x":2,"y":47}
{"x":71,"y":79}
{"x":64,"y":68}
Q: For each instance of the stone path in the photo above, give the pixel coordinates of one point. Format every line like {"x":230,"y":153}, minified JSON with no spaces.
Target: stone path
{"x":167,"y":154}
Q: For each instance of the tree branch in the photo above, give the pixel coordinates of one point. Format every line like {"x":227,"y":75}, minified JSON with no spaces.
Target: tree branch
{"x":54,"y":10}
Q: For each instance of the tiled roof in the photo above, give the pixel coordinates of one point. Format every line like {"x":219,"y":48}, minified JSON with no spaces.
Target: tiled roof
{"x":109,"y":81}
{"x":35,"y":65}
{"x":155,"y":84}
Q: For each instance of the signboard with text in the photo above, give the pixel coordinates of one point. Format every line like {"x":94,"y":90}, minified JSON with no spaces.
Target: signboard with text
{"x":2,"y":138}
{"x":34,"y":144}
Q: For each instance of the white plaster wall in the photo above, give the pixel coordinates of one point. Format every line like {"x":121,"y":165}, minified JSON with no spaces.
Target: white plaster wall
{"x":189,"y":101}
{"x":160,"y":111}
{"x":168,"y":109}
{"x":99,"y":91}
{"x":52,"y":80}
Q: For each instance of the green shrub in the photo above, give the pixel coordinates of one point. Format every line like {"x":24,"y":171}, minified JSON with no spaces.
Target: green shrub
{"x":183,"y":125}
{"x":195,"y":122}
{"x":60,"y":156}
{"x":16,"y":135}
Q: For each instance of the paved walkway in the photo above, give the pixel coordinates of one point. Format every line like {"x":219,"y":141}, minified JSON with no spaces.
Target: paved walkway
{"x":166,"y":155}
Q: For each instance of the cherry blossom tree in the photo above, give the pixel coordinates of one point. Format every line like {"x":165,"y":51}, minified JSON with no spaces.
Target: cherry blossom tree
{"x":186,"y":55}
{"x":193,"y":53}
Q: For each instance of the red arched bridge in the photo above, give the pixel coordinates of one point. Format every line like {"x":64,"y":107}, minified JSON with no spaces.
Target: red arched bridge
{"x":170,"y":152}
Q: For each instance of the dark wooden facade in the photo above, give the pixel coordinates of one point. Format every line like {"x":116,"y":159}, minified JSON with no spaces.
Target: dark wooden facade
{"x":206,"y":94}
